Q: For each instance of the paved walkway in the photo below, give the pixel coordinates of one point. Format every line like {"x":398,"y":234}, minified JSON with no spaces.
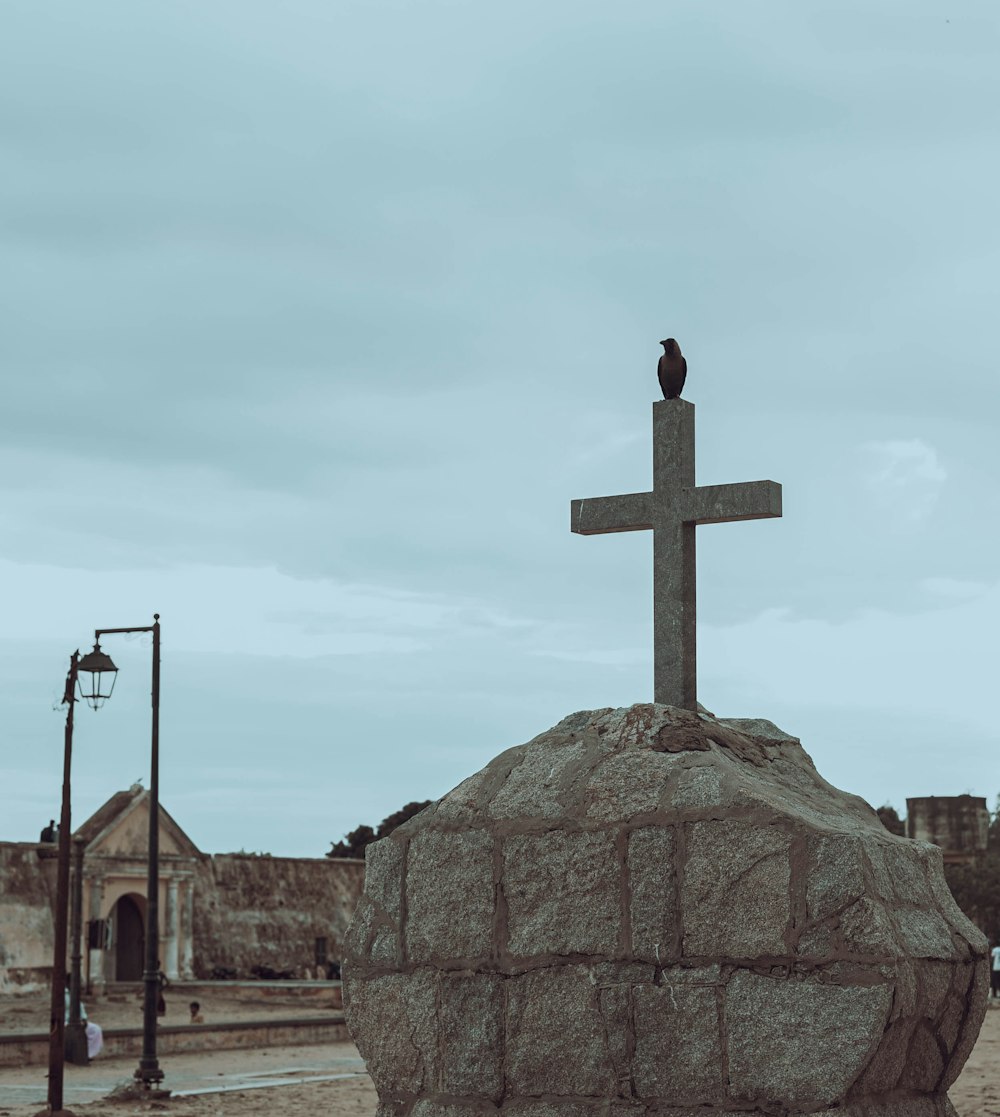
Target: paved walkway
{"x":190,"y":1073}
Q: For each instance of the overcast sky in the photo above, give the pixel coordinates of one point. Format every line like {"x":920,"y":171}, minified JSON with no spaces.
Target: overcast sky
{"x":316,"y":316}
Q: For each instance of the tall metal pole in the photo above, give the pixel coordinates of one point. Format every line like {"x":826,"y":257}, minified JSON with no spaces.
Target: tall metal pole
{"x":76,"y":1030}
{"x":57,"y":1005}
{"x":149,"y":1071}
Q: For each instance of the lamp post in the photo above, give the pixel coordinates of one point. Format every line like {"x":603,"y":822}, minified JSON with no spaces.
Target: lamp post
{"x":148,"y":1072}
{"x":57,"y":1004}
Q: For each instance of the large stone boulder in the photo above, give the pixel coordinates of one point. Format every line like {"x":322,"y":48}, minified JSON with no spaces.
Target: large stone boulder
{"x":654,"y":909}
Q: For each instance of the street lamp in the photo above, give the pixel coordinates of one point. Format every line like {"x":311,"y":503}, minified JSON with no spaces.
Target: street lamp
{"x":103,"y":674}
{"x":102,"y":677}
{"x":57,"y":1005}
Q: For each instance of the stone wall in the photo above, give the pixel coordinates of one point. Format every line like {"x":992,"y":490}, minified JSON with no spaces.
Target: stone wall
{"x":256,"y":910}
{"x":648,"y":908}
{"x":27,"y":886}
{"x":247,"y":910}
{"x":959,"y":824}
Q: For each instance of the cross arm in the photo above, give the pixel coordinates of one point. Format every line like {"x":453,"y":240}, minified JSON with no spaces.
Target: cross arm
{"x":603,"y":514}
{"x":748,"y":500}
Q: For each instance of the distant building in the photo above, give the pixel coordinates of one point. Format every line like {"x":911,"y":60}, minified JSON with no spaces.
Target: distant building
{"x":234,"y":910}
{"x":959,"y":824}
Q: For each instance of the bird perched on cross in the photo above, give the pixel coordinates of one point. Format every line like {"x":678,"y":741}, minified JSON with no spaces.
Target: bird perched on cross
{"x":671,"y":370}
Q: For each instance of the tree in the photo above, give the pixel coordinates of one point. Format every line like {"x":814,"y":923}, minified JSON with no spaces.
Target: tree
{"x":389,"y":824}
{"x":355,"y":843}
{"x":890,"y":819}
{"x":976,"y":889}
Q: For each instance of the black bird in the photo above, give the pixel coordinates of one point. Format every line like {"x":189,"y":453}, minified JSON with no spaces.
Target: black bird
{"x":671,"y":369}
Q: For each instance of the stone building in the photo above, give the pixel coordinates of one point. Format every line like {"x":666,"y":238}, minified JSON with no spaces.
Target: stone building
{"x":114,"y":892}
{"x":959,"y":824}
{"x":233,"y":910}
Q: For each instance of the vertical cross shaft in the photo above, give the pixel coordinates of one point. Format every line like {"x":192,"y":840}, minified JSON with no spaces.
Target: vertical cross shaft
{"x":672,"y":511}
{"x":674,"y":590}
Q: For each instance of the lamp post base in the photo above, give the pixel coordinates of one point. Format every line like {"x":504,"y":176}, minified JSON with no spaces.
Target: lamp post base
{"x":148,"y":1072}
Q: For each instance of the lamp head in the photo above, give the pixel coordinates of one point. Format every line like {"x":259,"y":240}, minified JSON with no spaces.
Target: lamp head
{"x":95,"y":674}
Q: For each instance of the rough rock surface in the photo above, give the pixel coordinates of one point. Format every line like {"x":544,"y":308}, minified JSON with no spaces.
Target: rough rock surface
{"x":651,"y":909}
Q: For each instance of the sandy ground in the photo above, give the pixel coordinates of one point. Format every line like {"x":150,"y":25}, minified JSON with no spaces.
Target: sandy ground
{"x":977,"y":1091}
{"x":326,"y":1079}
{"x":329,"y":1079}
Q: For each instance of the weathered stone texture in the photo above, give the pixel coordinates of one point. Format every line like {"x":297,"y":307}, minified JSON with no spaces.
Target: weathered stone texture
{"x":563,"y":893}
{"x":678,"y":1053}
{"x":653,"y":893}
{"x":375,"y":927}
{"x":865,"y":928}
{"x":372,"y":934}
{"x":968,"y":1029}
{"x":615,"y":1004}
{"x":653,"y":913}
{"x":401,"y":1047}
{"x":735,"y":896}
{"x":537,"y":1108}
{"x":836,"y":874}
{"x":449,"y":895}
{"x":465,"y":802}
{"x":384,"y":877}
{"x":887,"y":1065}
{"x":555,"y":1035}
{"x":471,"y":1029}
{"x":798,"y":1042}
{"x":537,"y":785}
{"x":698,"y":787}
{"x":924,"y":934}
{"x":628,"y":784}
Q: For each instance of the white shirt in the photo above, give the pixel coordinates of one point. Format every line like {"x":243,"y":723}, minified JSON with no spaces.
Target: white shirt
{"x":995,"y":955}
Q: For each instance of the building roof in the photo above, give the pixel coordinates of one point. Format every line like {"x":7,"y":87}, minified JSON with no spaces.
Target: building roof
{"x":108,"y":812}
{"x":110,"y":818}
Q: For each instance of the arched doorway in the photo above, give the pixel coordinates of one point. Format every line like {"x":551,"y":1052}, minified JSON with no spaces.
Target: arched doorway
{"x":128,"y":938}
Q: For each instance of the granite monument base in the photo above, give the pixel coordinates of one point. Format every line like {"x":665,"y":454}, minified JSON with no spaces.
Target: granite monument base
{"x":651,"y":910}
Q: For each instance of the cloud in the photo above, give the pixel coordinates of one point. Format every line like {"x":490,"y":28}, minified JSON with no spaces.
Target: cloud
{"x":950,"y":590}
{"x":928,"y":663}
{"x":904,"y":478}
{"x":603,"y":657}
{"x":245,"y":610}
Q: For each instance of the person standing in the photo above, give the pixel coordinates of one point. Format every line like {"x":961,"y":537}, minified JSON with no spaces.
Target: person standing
{"x":995,"y":971}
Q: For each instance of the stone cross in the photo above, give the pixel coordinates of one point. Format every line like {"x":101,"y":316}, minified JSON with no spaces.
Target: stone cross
{"x":672,"y":511}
